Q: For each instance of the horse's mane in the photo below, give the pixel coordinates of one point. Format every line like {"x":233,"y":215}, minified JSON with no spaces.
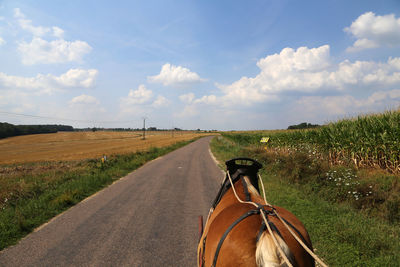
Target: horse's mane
{"x":250,"y":187}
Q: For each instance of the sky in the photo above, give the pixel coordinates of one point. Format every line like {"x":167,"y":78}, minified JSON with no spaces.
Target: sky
{"x":224,"y":65}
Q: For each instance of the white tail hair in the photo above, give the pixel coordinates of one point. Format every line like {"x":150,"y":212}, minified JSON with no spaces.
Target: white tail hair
{"x":267,"y":254}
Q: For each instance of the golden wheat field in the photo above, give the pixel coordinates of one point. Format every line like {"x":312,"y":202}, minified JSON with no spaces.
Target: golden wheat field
{"x":83,"y":145}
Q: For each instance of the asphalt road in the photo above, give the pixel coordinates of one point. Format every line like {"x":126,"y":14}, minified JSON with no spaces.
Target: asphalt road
{"x":148,"y":218}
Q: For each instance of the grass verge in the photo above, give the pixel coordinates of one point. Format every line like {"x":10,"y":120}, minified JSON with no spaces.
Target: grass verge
{"x":31,"y":194}
{"x":341,"y":234}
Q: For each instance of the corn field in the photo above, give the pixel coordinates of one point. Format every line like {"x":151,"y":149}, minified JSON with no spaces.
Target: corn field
{"x":371,"y":140}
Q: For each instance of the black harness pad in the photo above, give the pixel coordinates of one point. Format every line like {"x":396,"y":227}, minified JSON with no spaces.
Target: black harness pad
{"x":238,"y":167}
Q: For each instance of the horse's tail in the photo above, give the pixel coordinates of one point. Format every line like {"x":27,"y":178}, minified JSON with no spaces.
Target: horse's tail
{"x":267,"y":254}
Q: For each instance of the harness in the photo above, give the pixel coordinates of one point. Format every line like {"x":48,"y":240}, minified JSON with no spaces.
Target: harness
{"x":236,"y":171}
{"x":267,"y":211}
{"x":241,"y":218}
{"x":239,"y":171}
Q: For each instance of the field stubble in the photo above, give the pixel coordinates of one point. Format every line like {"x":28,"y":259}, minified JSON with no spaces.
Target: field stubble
{"x":68,"y":146}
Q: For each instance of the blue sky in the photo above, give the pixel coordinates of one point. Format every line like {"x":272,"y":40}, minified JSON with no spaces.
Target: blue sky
{"x":259,"y":64}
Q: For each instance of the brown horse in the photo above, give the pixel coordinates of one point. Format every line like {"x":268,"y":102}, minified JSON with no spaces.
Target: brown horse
{"x":236,"y":234}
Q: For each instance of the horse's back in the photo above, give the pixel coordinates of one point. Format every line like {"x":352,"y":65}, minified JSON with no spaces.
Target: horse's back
{"x":240,"y":243}
{"x":239,"y":246}
{"x":238,"y":249}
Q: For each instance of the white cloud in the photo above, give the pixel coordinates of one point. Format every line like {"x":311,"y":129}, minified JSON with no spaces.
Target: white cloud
{"x":160,"y":102}
{"x":58,"y":32}
{"x":305,"y":71}
{"x":365,"y":73}
{"x":142,"y":95}
{"x":207,"y":99}
{"x":26,"y":24}
{"x":383,"y":97}
{"x":344,"y":105}
{"x":361,"y":44}
{"x":175,"y":75}
{"x":41,"y":83}
{"x":57,"y":51}
{"x":82,"y":107}
{"x":15,"y":101}
{"x":299,"y":73}
{"x":84,"y":99}
{"x":37,"y":31}
{"x":41,"y":51}
{"x":302,"y":59}
{"x":187,"y":112}
{"x":47,"y":84}
{"x":18,"y":14}
{"x":374,"y":31}
{"x":330,"y":105}
{"x":141,"y":101}
{"x":187,"y":98}
{"x":34,"y":94}
{"x":78,"y":78}
{"x":2,"y":42}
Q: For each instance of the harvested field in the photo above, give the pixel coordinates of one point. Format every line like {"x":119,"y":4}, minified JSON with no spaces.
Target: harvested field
{"x":64,"y":146}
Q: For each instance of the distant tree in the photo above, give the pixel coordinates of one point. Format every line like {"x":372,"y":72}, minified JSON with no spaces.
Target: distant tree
{"x":65,"y":128}
{"x":303,"y":125}
{"x":8,"y":130}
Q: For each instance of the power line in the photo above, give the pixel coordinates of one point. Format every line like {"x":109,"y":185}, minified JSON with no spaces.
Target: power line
{"x":62,"y":119}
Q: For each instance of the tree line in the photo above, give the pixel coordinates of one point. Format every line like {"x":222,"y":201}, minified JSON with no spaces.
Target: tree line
{"x":303,"y":125}
{"x":8,"y":129}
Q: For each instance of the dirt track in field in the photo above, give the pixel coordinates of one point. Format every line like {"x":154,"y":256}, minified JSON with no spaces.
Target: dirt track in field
{"x":148,"y":218}
{"x":82,"y":145}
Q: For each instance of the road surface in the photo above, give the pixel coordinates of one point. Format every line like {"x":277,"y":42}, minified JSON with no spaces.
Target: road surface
{"x":148,"y":218}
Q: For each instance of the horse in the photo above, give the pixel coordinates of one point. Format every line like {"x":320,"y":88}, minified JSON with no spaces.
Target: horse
{"x":242,"y":229}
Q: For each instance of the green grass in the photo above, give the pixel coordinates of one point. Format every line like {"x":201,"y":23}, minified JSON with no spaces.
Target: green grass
{"x":32,"y":194}
{"x":341,"y":234}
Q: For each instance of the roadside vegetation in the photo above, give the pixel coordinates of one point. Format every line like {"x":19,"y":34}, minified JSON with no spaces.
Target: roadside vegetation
{"x":33,"y":193}
{"x":350,"y":207}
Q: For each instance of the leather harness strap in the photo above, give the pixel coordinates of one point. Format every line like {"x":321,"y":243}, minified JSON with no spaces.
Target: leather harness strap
{"x":264,"y":227}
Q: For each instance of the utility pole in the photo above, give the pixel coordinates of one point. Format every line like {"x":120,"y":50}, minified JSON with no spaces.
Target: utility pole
{"x":144,"y":128}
